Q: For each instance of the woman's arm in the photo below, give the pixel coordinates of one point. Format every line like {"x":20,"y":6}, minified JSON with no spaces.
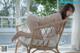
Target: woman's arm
{"x":51,"y":24}
{"x":44,"y":26}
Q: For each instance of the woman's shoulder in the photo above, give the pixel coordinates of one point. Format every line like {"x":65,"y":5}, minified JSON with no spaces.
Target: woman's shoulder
{"x":57,"y":14}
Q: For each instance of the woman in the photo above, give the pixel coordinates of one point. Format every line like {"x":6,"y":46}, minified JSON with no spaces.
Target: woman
{"x":35,"y":23}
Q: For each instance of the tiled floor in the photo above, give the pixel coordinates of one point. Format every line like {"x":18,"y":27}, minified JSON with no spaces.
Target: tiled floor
{"x":22,"y":50}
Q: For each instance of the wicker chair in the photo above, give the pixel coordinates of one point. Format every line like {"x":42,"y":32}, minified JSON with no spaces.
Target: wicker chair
{"x":41,"y":43}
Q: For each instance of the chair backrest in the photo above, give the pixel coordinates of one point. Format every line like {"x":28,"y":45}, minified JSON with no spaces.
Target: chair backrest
{"x":61,"y":31}
{"x":57,"y":37}
{"x":47,"y":32}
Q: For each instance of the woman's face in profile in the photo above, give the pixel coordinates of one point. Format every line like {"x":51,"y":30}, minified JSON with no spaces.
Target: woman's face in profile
{"x":69,"y":12}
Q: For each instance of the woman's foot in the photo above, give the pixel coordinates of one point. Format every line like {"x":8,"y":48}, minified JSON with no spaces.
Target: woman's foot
{"x":20,"y":33}
{"x":16,"y":36}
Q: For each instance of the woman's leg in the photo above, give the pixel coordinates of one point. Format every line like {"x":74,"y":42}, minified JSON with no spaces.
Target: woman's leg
{"x":32,"y":23}
{"x":20,"y":33}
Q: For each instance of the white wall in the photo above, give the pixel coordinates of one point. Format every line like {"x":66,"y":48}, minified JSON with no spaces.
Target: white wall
{"x":76,"y":28}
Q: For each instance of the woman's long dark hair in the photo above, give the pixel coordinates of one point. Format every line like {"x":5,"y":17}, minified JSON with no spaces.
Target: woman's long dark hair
{"x":65,"y":9}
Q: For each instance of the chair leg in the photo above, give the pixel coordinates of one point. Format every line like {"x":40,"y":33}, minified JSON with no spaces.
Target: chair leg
{"x":34,"y":51}
{"x":17,"y":45}
{"x":57,"y":50}
{"x":54,"y":51}
{"x":28,"y":50}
